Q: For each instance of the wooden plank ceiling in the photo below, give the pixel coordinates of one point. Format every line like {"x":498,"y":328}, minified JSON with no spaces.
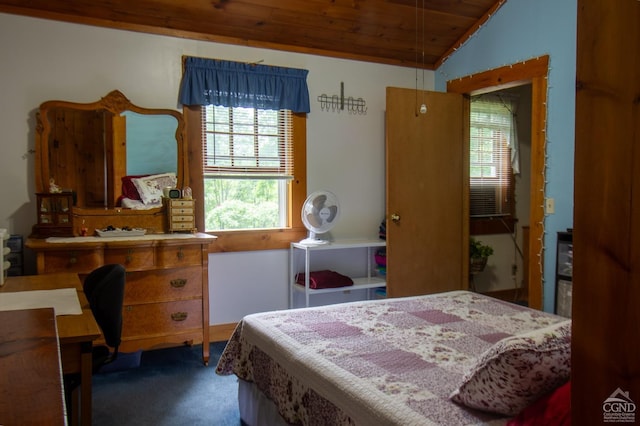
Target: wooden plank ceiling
{"x":413,"y":33}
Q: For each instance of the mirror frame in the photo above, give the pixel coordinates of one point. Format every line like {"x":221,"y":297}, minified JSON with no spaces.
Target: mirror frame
{"x":116,"y":103}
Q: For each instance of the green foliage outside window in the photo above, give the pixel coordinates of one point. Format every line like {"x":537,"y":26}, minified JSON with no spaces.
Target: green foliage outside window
{"x":241,"y":204}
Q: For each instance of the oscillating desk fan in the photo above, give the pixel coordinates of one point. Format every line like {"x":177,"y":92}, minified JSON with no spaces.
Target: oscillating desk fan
{"x":319,"y":214}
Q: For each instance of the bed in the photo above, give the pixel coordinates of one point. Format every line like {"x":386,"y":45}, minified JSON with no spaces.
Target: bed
{"x":450,"y":358}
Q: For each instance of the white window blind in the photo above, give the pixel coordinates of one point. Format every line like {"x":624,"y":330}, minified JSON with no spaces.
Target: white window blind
{"x":490,"y":158}
{"x":247,"y":142}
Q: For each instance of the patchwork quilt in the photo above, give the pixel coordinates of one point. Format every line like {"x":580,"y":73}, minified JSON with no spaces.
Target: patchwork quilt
{"x":382,"y":362}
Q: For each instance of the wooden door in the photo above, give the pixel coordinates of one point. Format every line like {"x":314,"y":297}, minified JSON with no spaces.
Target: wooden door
{"x":427,"y":187}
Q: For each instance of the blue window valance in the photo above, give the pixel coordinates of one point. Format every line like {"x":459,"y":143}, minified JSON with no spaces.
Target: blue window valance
{"x":238,"y":84}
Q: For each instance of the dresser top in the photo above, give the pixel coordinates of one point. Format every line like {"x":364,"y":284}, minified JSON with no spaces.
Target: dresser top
{"x":149,"y":239}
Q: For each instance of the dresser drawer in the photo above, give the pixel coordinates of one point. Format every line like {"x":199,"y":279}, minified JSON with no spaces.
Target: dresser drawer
{"x":179,"y":255}
{"x":131,"y":258}
{"x":182,"y":226}
{"x":163,"y":285}
{"x":181,"y":210}
{"x":181,"y":218}
{"x":161,"y":318}
{"x":69,"y":261}
{"x":186,"y":204}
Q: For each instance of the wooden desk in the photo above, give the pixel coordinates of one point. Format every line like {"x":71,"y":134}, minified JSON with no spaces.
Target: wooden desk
{"x":75,"y":332}
{"x":31,"y":387}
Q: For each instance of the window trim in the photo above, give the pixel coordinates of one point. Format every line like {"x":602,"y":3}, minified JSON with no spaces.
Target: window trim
{"x":254,"y":239}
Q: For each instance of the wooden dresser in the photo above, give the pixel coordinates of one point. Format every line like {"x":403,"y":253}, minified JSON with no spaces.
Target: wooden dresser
{"x":166,"y":293}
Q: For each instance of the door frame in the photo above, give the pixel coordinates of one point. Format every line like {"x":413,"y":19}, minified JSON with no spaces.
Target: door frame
{"x":535,"y":72}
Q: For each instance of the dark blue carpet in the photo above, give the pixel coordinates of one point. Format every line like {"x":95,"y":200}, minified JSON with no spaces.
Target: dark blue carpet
{"x":170,"y":387}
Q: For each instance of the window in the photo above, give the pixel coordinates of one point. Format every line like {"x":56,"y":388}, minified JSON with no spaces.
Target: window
{"x":247,"y":165}
{"x":491,"y":172}
{"x":242,"y":150}
{"x":295,"y":192}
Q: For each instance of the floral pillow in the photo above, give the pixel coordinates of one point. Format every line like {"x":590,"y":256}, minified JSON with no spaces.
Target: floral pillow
{"x":518,"y":370}
{"x":129,"y":189}
{"x":150,"y":187}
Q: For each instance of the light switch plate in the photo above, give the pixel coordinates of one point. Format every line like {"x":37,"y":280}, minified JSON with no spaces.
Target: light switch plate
{"x":549,"y":206}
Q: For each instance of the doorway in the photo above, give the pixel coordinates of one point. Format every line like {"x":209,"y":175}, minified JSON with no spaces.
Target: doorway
{"x":505,"y":226}
{"x":533,"y":72}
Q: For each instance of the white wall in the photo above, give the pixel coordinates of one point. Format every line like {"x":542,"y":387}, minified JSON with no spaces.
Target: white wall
{"x":245,"y":283}
{"x":44,"y":60}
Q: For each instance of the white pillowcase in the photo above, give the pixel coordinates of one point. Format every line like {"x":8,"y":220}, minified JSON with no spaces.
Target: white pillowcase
{"x":150,"y":187}
{"x":518,"y":370}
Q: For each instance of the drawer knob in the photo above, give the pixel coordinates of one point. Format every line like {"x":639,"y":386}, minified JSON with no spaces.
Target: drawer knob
{"x":178,"y":283}
{"x":180,"y":254}
{"x":129,"y":256}
{"x":73,"y":259}
{"x":179,"y":316}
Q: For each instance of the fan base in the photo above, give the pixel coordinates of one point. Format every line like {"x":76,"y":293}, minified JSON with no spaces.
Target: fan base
{"x":313,"y":242}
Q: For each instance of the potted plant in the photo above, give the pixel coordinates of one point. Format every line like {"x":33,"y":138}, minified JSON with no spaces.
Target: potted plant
{"x":478,"y":255}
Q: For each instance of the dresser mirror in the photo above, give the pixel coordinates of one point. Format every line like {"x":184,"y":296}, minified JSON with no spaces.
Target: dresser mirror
{"x":87,"y":149}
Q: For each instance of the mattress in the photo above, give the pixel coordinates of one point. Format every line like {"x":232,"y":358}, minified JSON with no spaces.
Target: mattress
{"x":382,"y":362}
